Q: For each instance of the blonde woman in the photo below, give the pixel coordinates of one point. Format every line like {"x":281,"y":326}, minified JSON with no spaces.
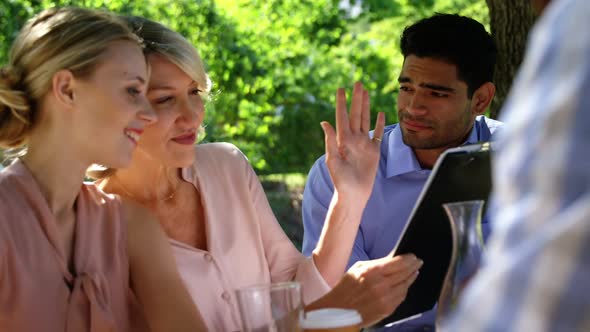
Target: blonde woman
{"x":212,"y":206}
{"x":73,"y":93}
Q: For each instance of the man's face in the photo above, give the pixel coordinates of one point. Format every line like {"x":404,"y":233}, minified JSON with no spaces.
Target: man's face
{"x":433,"y":107}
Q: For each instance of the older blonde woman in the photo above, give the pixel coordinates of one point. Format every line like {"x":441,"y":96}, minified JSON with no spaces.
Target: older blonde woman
{"x":74,"y":93}
{"x":212,"y":206}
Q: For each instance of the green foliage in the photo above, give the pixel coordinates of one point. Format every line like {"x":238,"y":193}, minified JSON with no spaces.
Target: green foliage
{"x":293,"y":181}
{"x":284,"y":193}
{"x":276,"y":64}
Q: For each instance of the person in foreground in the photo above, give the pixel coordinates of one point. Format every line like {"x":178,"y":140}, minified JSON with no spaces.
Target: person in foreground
{"x":73,"y":93}
{"x":212,"y":207}
{"x":445,"y":87}
{"x":537,"y":273}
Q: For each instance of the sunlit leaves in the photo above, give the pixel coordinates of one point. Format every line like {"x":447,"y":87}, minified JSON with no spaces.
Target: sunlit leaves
{"x":276,"y":64}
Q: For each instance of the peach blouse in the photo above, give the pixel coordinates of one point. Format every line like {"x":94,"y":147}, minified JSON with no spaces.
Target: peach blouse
{"x":246,"y":245}
{"x":37,"y":290}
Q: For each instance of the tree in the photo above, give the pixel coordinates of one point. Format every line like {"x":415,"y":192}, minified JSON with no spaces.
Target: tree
{"x":510,"y":22}
{"x":275,"y":65}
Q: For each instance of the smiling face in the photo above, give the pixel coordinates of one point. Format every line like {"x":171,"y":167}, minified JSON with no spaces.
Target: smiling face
{"x":434,"y":109}
{"x":176,"y":99}
{"x":111,"y":105}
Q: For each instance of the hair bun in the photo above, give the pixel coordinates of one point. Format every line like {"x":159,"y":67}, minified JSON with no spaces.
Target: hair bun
{"x":14,"y":108}
{"x":10,"y":77}
{"x":11,"y":92}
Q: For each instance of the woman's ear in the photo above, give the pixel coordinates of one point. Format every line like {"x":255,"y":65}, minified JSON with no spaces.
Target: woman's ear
{"x":62,"y":87}
{"x":482,"y":97}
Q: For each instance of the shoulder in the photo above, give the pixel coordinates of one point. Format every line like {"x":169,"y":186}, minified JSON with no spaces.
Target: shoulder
{"x":318,"y":175}
{"x":18,"y":190}
{"x":100,"y":204}
{"x":487,"y":128}
{"x":9,"y":176}
{"x":106,"y":212}
{"x":141,"y":224}
{"x":389,"y":129}
{"x":134,"y":211}
{"x":99,"y":196}
{"x":386,"y":131}
{"x":6,"y":188}
{"x":218,"y":164}
{"x":6,"y":184}
{"x":223,"y":160}
{"x":219,"y":152}
{"x":485,"y":122}
{"x":9,"y":211}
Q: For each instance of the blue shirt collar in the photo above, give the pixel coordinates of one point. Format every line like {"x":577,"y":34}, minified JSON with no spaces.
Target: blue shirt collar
{"x":401,"y":158}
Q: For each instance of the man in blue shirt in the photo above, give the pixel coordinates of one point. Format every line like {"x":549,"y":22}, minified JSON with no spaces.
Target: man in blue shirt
{"x":445,"y":88}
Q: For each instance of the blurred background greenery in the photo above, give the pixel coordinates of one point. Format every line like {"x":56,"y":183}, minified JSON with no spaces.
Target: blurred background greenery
{"x":275,"y":67}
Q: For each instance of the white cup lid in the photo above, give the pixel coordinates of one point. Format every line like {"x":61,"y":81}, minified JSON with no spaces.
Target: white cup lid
{"x":331,"y":318}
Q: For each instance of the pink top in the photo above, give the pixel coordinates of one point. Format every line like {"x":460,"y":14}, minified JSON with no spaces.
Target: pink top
{"x":37,"y":292}
{"x":246,"y":243}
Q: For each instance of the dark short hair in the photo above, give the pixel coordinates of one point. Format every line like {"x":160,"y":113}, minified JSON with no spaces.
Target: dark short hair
{"x":457,"y":40}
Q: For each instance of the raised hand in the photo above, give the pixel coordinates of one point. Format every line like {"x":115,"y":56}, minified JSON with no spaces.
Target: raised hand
{"x":352,"y":159}
{"x":351,"y":156}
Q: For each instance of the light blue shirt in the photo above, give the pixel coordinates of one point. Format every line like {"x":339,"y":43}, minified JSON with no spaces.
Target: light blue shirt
{"x":398,"y":184}
{"x":537,"y":272}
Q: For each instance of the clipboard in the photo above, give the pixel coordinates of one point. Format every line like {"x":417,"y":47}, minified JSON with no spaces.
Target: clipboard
{"x":460,"y":174}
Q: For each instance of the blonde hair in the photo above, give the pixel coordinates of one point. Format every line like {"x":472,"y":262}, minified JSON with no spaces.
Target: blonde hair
{"x":55,"y":39}
{"x":161,"y":40}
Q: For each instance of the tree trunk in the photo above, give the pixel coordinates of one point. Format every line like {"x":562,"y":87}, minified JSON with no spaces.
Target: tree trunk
{"x":510,"y":22}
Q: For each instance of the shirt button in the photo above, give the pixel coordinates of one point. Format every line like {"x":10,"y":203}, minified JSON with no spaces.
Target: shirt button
{"x":225,"y":296}
{"x":208,"y":257}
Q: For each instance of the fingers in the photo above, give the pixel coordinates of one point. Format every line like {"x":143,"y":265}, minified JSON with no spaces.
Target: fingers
{"x":400,"y":291}
{"x":359,"y":119}
{"x":342,"y":124}
{"x":366,"y":113}
{"x":387,"y":272}
{"x":379,"y":127}
{"x":410,"y":280}
{"x":330,"y":140}
{"x":402,"y":263}
{"x":384,"y":266}
{"x":390,"y":272}
{"x":356,"y":107}
{"x":376,"y":295}
{"x":402,"y":277}
{"x":385,"y":284}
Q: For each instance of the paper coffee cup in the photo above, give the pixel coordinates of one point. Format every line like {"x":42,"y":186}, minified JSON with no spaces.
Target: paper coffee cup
{"x":332,"y":320}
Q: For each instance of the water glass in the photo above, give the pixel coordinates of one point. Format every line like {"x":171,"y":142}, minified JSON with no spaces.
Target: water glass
{"x":271,"y":307}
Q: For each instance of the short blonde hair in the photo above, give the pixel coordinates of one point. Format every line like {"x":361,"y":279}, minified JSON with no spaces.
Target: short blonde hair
{"x":159,"y":39}
{"x":55,"y":39}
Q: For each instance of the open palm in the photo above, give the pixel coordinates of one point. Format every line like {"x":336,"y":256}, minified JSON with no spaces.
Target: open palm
{"x":351,"y":156}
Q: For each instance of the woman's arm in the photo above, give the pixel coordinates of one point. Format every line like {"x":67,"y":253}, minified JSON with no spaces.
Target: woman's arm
{"x":154,"y":278}
{"x":352,"y":159}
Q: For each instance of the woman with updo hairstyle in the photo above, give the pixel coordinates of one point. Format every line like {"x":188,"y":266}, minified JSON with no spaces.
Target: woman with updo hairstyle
{"x":73,"y":258}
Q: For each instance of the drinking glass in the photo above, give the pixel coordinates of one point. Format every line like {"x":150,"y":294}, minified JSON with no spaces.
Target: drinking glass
{"x":271,"y":307}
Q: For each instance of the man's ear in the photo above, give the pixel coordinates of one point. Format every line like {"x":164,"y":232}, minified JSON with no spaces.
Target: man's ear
{"x":482,"y":97}
{"x":62,"y":86}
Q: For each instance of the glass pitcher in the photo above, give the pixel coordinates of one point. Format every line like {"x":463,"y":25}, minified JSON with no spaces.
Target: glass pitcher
{"x":465,"y":218}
